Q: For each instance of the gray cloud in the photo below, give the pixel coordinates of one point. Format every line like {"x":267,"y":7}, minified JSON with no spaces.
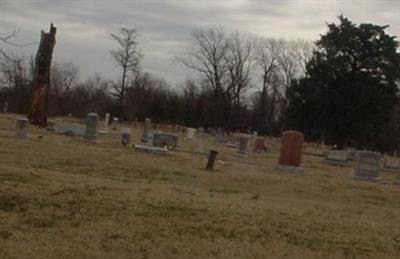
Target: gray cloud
{"x":165,"y":26}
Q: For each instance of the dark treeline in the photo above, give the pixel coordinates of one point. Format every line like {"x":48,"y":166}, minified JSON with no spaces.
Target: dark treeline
{"x":341,"y":90}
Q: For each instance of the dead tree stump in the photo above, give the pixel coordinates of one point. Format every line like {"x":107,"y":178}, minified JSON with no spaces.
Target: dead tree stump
{"x":41,"y":83}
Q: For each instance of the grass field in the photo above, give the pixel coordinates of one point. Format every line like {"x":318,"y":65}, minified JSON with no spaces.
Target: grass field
{"x":63,"y":198}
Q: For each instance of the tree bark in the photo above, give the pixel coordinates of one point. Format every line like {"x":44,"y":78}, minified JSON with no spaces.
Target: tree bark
{"x":41,"y":83}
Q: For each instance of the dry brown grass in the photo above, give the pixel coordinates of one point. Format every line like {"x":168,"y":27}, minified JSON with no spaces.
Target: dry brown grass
{"x":63,"y":198}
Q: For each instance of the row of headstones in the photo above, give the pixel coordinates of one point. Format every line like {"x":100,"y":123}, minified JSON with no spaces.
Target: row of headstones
{"x":367,"y":165}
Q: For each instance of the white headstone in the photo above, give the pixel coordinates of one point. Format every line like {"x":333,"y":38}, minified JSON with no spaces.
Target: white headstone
{"x":191,"y":133}
{"x":146,"y":130}
{"x":107,"y":120}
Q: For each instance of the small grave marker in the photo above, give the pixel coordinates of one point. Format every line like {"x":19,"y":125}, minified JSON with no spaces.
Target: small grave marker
{"x":126,"y":136}
{"x":336,"y":157}
{"x":391,"y":164}
{"x":164,"y":139}
{"x":259,"y":145}
{"x":5,"y":107}
{"x":243,"y":144}
{"x":146,"y":130}
{"x":91,"y":127}
{"x":107,"y":120}
{"x":367,"y":166}
{"x":190,"y":134}
{"x":21,"y":128}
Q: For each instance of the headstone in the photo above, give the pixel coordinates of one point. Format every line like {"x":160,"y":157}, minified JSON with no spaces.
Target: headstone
{"x":199,"y":147}
{"x":21,"y":130}
{"x":126,"y":136}
{"x":106,"y":120}
{"x":221,"y":138}
{"x":91,"y":127}
{"x":190,"y":133}
{"x":253,"y":139}
{"x":211,"y":131}
{"x":367,"y":166}
{"x":153,"y":150}
{"x":336,"y":157}
{"x":397,"y":181}
{"x":259,"y":145}
{"x":164,"y":139}
{"x":352,"y":154}
{"x":146,"y":130}
{"x":243,"y":144}
{"x":50,"y":125}
{"x":115,"y":123}
{"x":211,"y":160}
{"x":5,"y":107}
{"x":291,"y":150}
{"x":200,"y":131}
{"x":70,"y":129}
{"x":391,"y":164}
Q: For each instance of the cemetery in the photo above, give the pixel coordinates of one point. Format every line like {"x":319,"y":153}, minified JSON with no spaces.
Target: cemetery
{"x":221,"y":143}
{"x":116,"y":197}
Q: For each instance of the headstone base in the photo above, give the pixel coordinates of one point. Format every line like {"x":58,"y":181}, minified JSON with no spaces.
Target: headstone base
{"x":336,"y":162}
{"x":153,"y":150}
{"x":289,"y":169}
{"x":390,"y":169}
{"x":90,"y":138}
{"x":242,"y":154}
{"x":368,"y":179}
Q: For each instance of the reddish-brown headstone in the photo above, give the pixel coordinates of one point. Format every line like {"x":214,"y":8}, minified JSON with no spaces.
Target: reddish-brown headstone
{"x":259,"y":145}
{"x":291,"y":148}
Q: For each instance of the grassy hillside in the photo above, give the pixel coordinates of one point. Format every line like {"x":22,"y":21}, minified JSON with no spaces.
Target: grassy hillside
{"x":63,"y":198}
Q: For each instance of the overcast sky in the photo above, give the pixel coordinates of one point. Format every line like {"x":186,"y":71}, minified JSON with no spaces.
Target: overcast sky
{"x":165,"y":26}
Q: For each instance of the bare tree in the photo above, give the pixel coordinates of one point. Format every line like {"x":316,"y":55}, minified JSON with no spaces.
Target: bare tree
{"x":239,"y":63}
{"x":267,"y":60}
{"x":41,"y":83}
{"x":63,"y":77}
{"x":224,"y":62}
{"x":128,"y":58}
{"x":303,"y":52}
{"x":207,"y":56}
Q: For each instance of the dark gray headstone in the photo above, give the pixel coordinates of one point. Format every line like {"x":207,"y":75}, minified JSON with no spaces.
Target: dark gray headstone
{"x":125,"y":136}
{"x":164,"y":139}
{"x":91,"y":127}
{"x":367,"y":166}
{"x":5,"y":107}
{"x":221,"y":138}
{"x":50,"y":125}
{"x":21,"y":130}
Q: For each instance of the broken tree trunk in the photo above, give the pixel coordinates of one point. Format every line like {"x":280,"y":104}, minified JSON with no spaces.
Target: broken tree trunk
{"x":41,"y":83}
